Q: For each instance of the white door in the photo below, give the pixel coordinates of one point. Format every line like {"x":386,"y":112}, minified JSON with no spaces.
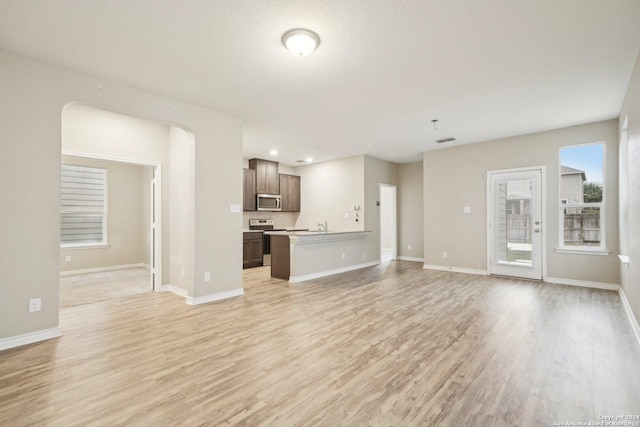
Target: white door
{"x":515,"y":226}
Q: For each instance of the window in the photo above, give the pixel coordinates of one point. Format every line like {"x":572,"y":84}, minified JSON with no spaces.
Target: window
{"x":83,"y":206}
{"x":581,"y":204}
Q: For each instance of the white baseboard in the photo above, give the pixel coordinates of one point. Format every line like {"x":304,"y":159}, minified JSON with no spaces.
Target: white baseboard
{"x":101,"y":269}
{"x":456,"y":269}
{"x":583,"y":283}
{"x":175,"y":290}
{"x":215,"y":297}
{"x":298,"y":279}
{"x":30,"y":338}
{"x":410,"y":258}
{"x":632,"y":318}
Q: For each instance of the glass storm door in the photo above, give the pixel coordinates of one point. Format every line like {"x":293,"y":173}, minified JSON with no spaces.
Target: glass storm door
{"x":515,"y":223}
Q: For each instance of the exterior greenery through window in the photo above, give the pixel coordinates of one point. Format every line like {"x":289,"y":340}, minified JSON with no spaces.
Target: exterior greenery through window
{"x":83,"y":206}
{"x":582,"y":197}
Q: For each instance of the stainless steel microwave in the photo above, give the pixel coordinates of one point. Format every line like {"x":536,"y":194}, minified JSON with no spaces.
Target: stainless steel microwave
{"x":269,"y":202}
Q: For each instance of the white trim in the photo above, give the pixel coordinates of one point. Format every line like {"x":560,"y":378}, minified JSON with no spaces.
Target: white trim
{"x":582,"y":283}
{"x":584,"y":251}
{"x":543,"y":214}
{"x":30,"y":338}
{"x":456,"y":269}
{"x":175,"y":290}
{"x":101,"y":269}
{"x":632,"y":318}
{"x":410,"y":258}
{"x":109,"y":158}
{"x":298,"y":279}
{"x":215,"y":297}
{"x":624,"y":259}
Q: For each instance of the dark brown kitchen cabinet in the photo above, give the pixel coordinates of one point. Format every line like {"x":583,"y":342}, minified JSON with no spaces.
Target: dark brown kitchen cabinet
{"x":251,"y":250}
{"x":266,"y":176}
{"x":290,"y":192}
{"x":249,"y":192}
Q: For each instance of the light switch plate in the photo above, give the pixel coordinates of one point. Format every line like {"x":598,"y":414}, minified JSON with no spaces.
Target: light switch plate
{"x":466,"y":209}
{"x":235,"y":208}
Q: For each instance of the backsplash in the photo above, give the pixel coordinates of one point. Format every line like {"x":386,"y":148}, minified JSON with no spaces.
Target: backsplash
{"x":281,"y":219}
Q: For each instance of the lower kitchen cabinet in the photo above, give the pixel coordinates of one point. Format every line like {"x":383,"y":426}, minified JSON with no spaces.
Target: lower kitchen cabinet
{"x":251,"y":250}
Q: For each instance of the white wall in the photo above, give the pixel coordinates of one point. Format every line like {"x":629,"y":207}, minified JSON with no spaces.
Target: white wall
{"x":453,"y":178}
{"x":630,"y":199}
{"x":34,"y":95}
{"x":125,"y":221}
{"x":410,"y":211}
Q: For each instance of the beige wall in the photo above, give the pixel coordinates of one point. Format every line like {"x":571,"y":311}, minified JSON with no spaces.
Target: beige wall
{"x":181,"y":210}
{"x":328,"y":190}
{"x":376,"y":172}
{"x":34,"y":95}
{"x":410,"y":209}
{"x":453,"y":178}
{"x":630,"y":199}
{"x":99,"y":132}
{"x":125,"y":219}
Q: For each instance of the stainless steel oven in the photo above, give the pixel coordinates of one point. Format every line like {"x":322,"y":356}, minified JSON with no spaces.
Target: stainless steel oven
{"x":264,"y":225}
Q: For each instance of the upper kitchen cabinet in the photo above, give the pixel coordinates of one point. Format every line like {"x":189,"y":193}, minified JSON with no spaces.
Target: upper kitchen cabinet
{"x":249,"y":191}
{"x":290,"y":192}
{"x":266,"y":176}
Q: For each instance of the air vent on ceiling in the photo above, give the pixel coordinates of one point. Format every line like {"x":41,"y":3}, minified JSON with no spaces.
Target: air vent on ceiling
{"x":440,"y":141}
{"x":299,"y":161}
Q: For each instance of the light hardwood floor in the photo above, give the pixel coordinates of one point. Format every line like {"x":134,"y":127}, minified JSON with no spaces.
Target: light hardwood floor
{"x":393,"y":345}
{"x":103,"y":286}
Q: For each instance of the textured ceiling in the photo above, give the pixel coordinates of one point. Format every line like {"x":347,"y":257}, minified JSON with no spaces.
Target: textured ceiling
{"x":384,"y":69}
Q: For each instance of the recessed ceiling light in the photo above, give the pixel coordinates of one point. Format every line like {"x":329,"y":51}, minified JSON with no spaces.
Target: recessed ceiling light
{"x":300,"y":41}
{"x":273,"y":152}
{"x":309,"y":159}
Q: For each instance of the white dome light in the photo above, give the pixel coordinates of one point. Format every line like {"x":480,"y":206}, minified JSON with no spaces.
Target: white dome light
{"x":300,"y":42}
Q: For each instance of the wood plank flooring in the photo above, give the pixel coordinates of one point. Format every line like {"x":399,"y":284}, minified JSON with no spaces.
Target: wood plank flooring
{"x":393,"y":345}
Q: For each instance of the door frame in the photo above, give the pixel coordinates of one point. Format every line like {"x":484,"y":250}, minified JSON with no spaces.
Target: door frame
{"x":156,"y":251}
{"x":543,"y":213}
{"x":394,"y":221}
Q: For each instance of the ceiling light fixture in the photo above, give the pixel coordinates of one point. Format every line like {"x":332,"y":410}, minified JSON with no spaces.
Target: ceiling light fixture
{"x":300,"y":41}
{"x":273,"y":152}
{"x":309,"y":159}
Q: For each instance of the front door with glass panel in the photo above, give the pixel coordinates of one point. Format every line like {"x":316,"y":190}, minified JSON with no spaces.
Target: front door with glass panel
{"x":515,"y":223}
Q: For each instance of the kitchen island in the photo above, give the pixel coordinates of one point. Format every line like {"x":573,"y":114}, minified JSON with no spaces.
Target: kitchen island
{"x":305,"y":255}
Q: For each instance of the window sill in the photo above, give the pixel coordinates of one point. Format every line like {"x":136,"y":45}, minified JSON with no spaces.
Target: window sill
{"x":583,"y":251}
{"x":94,"y":246}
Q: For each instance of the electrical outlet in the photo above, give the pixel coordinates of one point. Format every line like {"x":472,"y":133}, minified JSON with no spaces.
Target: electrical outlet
{"x":182,"y":272}
{"x":207,"y":277}
{"x":343,"y":255}
{"x":67,"y":258}
{"x":408,"y":247}
{"x":444,"y":254}
{"x":35,"y":304}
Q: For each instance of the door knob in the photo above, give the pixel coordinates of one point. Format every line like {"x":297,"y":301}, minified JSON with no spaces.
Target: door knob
{"x":537,"y":230}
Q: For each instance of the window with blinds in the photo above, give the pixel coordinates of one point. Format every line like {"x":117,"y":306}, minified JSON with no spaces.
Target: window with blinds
{"x":83,"y":206}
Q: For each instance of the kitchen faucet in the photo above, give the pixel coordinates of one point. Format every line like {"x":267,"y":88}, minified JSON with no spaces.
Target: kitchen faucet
{"x":323,"y":228}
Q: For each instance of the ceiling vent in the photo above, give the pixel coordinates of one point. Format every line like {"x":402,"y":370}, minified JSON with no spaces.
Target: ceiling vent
{"x":440,"y":141}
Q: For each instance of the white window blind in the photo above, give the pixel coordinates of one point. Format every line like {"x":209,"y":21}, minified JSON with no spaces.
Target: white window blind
{"x":83,"y":206}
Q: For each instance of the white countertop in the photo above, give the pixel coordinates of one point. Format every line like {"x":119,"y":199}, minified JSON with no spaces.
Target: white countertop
{"x":315,"y":233}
